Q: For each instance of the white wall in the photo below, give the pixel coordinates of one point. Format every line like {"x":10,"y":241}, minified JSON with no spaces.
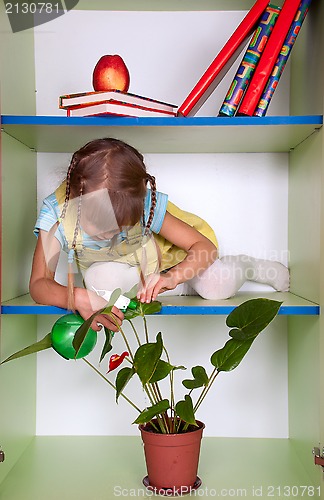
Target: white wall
{"x":166,"y":54}
{"x":248,"y":402}
{"x":243,"y":196}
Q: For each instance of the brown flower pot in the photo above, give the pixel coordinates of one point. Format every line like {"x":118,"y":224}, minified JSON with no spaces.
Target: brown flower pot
{"x":172,"y":460}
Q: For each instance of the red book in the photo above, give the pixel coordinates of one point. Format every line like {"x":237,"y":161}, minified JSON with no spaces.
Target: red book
{"x":68,"y":100}
{"x":223,"y":61}
{"x":114,"y":108}
{"x":269,"y":57}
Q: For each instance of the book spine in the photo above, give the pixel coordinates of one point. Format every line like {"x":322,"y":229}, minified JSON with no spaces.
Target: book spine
{"x":88,"y":98}
{"x":282,"y":59}
{"x":249,"y":61}
{"x":269,"y":56}
{"x":223,"y":61}
{"x":115,"y":107}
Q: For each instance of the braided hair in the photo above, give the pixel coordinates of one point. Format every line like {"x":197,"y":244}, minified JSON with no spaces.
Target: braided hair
{"x":112,"y":164}
{"x":151,"y":180}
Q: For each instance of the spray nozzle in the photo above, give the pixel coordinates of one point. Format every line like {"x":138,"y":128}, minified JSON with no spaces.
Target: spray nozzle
{"x":122,"y":302}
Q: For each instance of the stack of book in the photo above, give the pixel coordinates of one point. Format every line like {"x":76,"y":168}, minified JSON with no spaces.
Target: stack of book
{"x":114,"y":102}
{"x":274,"y":33}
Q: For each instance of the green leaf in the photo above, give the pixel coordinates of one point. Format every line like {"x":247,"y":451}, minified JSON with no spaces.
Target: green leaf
{"x":152,"y":411}
{"x":151,"y":308}
{"x":123,"y":377}
{"x":143,"y":309}
{"x":251,"y":317}
{"x":82,"y":331}
{"x":147,"y":357}
{"x":230,"y":356}
{"x":161,"y":371}
{"x":200,"y":378}
{"x":45,"y":343}
{"x":185,"y":411}
{"x":113,"y":298}
{"x":107,"y":346}
{"x":133,"y":313}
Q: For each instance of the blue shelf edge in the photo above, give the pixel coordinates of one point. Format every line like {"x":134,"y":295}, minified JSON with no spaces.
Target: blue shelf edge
{"x":224,"y":310}
{"x":311,"y":310}
{"x":163,"y":121}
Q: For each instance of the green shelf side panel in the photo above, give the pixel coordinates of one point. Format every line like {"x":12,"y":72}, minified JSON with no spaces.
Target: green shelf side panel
{"x":307,"y":64}
{"x":17,"y":390}
{"x":321,"y":346}
{"x":305,"y":168}
{"x":18,"y":241}
{"x":304,"y":390}
{"x":17,"y":63}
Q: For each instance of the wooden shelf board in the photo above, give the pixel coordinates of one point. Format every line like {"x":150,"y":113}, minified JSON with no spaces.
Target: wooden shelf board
{"x":165,"y":5}
{"x":101,"y":467}
{"x":183,"y":305}
{"x":161,"y":135}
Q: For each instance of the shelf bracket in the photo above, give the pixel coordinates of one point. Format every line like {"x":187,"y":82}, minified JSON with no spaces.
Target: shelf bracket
{"x":318,"y":457}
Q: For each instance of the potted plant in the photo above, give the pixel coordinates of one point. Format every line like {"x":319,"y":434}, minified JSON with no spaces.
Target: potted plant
{"x":168,"y":425}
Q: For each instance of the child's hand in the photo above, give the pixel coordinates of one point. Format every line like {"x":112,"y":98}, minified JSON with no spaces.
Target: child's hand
{"x":87,"y":302}
{"x":155,"y":284}
{"x":108,"y":321}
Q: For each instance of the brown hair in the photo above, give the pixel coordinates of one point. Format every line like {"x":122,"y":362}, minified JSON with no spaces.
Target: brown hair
{"x":112,"y":164}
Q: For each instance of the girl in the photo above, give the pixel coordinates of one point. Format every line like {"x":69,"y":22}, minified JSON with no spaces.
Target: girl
{"x":119,"y":233}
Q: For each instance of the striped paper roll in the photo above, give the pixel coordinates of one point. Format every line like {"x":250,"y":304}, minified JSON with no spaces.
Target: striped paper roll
{"x":249,"y":61}
{"x":272,"y":83}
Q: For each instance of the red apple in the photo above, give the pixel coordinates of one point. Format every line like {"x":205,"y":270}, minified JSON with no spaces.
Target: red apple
{"x":110,"y":73}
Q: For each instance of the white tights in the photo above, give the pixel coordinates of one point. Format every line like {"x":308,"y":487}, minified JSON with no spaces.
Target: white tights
{"x":220,"y":281}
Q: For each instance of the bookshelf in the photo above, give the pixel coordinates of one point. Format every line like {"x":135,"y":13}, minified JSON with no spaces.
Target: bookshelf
{"x":172,"y":135}
{"x":275,"y":462}
{"x":292,"y":305}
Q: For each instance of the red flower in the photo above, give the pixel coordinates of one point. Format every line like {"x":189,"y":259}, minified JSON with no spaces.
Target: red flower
{"x":116,"y":360}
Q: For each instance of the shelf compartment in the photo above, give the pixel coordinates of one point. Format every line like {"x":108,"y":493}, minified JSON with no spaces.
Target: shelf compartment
{"x":64,"y":134}
{"x":86,"y":466}
{"x":183,"y":305}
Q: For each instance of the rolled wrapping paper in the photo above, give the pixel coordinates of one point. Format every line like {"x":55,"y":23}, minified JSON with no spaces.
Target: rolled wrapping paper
{"x":279,"y":67}
{"x":249,"y":61}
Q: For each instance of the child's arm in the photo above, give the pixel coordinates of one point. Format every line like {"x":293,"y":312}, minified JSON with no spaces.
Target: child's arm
{"x":45,"y":290}
{"x":201,"y":253}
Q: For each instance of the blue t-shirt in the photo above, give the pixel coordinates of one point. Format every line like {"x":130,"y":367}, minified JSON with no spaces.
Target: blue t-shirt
{"x":50,"y":213}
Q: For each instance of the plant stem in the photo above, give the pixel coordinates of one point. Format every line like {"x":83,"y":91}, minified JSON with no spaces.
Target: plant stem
{"x":145,"y":329}
{"x":135,"y":332}
{"x":124,"y":336}
{"x":151,"y":394}
{"x":157,"y":391}
{"x":172,"y":403}
{"x":164,"y":415}
{"x":153,"y":400}
{"x":154,"y":426}
{"x":112,"y":385}
{"x":206,"y":389}
{"x":163,"y":428}
{"x":178,"y":426}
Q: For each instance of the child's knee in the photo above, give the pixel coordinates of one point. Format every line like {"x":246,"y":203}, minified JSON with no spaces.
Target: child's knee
{"x":110,"y":275}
